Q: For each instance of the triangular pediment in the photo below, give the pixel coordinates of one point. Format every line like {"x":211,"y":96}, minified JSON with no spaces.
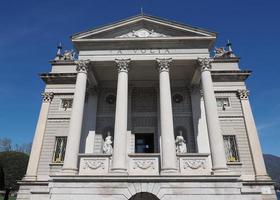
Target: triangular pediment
{"x":143,"y":27}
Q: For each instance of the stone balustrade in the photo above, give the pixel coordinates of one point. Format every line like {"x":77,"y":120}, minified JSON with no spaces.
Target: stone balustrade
{"x":145,"y":164}
{"x":194,"y":164}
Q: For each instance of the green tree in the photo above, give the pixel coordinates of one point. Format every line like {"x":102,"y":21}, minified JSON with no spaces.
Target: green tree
{"x":12,"y":167}
{"x":5,"y":144}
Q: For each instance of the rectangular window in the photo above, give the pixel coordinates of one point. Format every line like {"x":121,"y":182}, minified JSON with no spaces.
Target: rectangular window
{"x":66,"y":103}
{"x":59,"y":149}
{"x":231,"y":148}
{"x":223,"y":102}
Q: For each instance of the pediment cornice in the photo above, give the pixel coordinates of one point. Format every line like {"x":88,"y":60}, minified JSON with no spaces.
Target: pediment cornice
{"x":143,"y":26}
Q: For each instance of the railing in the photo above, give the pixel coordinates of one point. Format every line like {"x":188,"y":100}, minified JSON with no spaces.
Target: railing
{"x":194,"y":164}
{"x":143,"y":164}
{"x":147,"y":164}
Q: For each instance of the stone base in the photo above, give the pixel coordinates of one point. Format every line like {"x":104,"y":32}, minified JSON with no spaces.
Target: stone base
{"x":106,"y":188}
{"x":169,"y":171}
{"x":119,"y":171}
{"x":29,"y":178}
{"x":263,"y":177}
{"x":69,"y":171}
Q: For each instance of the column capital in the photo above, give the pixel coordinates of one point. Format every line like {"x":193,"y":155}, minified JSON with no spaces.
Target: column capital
{"x":243,"y":94}
{"x":82,"y":66}
{"x":204,"y":63}
{"x":47,"y":96}
{"x":122,"y":64}
{"x":164,"y":64}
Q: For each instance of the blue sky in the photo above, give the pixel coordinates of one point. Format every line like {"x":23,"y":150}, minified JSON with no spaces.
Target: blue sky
{"x":31,"y":29}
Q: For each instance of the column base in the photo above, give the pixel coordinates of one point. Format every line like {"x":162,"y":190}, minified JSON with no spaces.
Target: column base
{"x":220,"y":171}
{"x":169,"y":171}
{"x":69,"y":171}
{"x":262,"y":178}
{"x":29,"y":178}
{"x":121,"y":171}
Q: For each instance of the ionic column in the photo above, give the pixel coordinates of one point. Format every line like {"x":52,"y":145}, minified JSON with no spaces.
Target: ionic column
{"x":75,"y":127}
{"x":254,"y":143}
{"x":168,"y":150}
{"x":120,"y":135}
{"x":31,"y":173}
{"x":213,"y":123}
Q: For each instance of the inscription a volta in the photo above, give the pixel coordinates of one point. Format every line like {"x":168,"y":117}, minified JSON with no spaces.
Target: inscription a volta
{"x":141,"y":51}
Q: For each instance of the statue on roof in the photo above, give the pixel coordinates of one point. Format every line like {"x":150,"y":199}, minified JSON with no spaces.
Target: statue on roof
{"x":221,"y":52}
{"x":68,"y":55}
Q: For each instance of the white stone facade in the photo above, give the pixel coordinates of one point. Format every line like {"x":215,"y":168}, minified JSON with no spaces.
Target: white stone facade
{"x":141,"y":83}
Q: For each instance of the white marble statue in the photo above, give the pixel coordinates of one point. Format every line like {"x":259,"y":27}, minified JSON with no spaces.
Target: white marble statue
{"x":69,"y":55}
{"x":107,"y":146}
{"x":181,"y":146}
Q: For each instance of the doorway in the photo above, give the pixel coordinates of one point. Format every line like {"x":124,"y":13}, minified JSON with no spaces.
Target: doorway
{"x":144,"y":143}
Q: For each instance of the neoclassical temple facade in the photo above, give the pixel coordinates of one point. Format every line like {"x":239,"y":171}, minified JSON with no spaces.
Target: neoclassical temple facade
{"x":145,"y":111}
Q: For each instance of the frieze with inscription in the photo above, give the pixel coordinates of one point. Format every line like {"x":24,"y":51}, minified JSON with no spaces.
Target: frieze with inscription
{"x":141,"y":51}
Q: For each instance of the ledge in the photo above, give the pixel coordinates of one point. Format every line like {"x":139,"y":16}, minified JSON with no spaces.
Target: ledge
{"x":168,"y":178}
{"x":194,"y":155}
{"x":91,"y":155}
{"x":56,"y":164}
{"x":64,"y":78}
{"x":234,"y":163}
{"x":144,"y":154}
{"x":230,"y":75}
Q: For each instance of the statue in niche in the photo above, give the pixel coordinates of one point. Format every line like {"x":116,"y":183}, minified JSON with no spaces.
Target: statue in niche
{"x":107,"y":146}
{"x":180,"y":142}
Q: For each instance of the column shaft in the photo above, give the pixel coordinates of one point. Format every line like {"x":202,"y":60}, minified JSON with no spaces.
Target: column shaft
{"x":213,"y":123}
{"x":74,"y":135}
{"x":90,"y":121}
{"x":31,"y":173}
{"x":166,"y":119}
{"x":255,"y":146}
{"x":199,"y":120}
{"x":120,"y":135}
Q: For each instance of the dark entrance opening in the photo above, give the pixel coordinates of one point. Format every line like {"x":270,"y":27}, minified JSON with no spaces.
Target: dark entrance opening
{"x":144,"y":143}
{"x":144,"y":196}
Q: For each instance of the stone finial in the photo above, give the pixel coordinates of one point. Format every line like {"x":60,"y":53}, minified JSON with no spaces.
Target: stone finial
{"x":205,"y":64}
{"x":243,"y":94}
{"x":122,"y":65}
{"x":164,"y":64}
{"x":47,"y":96}
{"x":82,"y":65}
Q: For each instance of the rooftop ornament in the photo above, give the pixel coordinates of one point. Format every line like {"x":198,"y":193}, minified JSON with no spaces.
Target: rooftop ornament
{"x":68,"y":55}
{"x":223,"y":52}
